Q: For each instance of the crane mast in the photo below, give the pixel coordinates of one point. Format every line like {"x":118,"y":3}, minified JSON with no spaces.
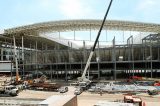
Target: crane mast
{"x":83,"y":78}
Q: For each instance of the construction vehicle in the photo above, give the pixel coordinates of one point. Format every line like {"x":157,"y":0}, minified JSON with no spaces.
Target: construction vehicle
{"x":83,"y":81}
{"x":63,"y":89}
{"x":8,"y":90}
{"x":137,"y":101}
{"x":78,"y":91}
{"x":156,"y":83}
{"x":153,"y":92}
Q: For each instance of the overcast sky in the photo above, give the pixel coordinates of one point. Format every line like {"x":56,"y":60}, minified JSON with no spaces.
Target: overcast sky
{"x":22,"y":12}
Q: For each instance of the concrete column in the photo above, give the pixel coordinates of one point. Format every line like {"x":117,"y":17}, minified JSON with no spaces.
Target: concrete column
{"x":15,"y":56}
{"x":46,"y":54}
{"x":1,"y":53}
{"x":114,"y":58}
{"x":51,"y":71}
{"x":31,"y":56}
{"x":58,"y":55}
{"x":98,"y":60}
{"x":74,"y":35}
{"x":81,"y":67}
{"x":69,"y":53}
{"x":90,"y":33}
{"x":11,"y":59}
{"x":151,"y":57}
{"x":57,"y":70}
{"x":84,"y":52}
{"x":23,"y":55}
{"x":158,"y":54}
{"x":132,"y":57}
{"x":66,"y":72}
{"x":36,"y":56}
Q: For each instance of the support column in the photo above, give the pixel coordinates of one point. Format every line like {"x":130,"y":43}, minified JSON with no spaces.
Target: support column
{"x":74,"y":35}
{"x":66,"y":72}
{"x":158,"y":54}
{"x":46,"y":56}
{"x":132,"y":56}
{"x":1,"y":53}
{"x":23,"y":55}
{"x":57,"y":70}
{"x":11,"y":58}
{"x":58,"y":55}
{"x":151,"y":57}
{"x":114,"y":59}
{"x":81,"y":67}
{"x":84,"y":52}
{"x":90,"y":33}
{"x":51,"y":71}
{"x":98,"y":60}
{"x":31,"y":56}
{"x":36,"y":57}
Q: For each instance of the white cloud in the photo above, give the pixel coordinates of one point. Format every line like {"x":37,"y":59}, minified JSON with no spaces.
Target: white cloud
{"x":74,"y":8}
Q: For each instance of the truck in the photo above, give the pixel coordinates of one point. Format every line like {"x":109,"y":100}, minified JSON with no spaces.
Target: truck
{"x":9,"y":90}
{"x":137,"y":101}
{"x":45,"y":86}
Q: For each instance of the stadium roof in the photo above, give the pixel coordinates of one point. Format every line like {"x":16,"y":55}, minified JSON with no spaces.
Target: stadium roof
{"x":69,"y":25}
{"x":32,"y":32}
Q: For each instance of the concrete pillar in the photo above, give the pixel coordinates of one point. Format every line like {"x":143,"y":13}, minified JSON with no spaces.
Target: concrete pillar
{"x":36,"y":56}
{"x":51,"y":71}
{"x":158,"y":54}
{"x":98,"y":60}
{"x":1,"y":53}
{"x":74,"y":35}
{"x":151,"y":57}
{"x":66,"y":72}
{"x":84,"y":52}
{"x":23,"y":55}
{"x":15,"y":56}
{"x":114,"y":58}
{"x":46,"y":54}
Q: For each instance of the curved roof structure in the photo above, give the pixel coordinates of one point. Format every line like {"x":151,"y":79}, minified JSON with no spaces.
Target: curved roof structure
{"x":69,"y":25}
{"x":32,"y":32}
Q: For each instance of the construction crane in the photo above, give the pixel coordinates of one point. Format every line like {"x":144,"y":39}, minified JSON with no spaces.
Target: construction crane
{"x":16,"y":62}
{"x":83,"y":80}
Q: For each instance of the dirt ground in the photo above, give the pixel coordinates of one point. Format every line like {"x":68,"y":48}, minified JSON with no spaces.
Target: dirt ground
{"x":90,"y":99}
{"x":87,"y":98}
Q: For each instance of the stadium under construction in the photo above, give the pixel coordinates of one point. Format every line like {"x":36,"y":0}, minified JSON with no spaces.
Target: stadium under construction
{"x":61,"y":58}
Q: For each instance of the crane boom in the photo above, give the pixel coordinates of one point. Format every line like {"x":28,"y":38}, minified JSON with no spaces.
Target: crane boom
{"x":91,"y":53}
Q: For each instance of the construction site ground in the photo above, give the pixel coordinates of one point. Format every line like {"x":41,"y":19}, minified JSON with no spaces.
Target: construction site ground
{"x":85,"y":99}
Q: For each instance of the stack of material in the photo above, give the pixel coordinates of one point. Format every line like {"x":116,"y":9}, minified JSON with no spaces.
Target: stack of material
{"x":124,"y":88}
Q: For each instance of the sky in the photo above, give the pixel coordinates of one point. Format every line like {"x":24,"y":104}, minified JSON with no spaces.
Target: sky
{"x":24,"y":12}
